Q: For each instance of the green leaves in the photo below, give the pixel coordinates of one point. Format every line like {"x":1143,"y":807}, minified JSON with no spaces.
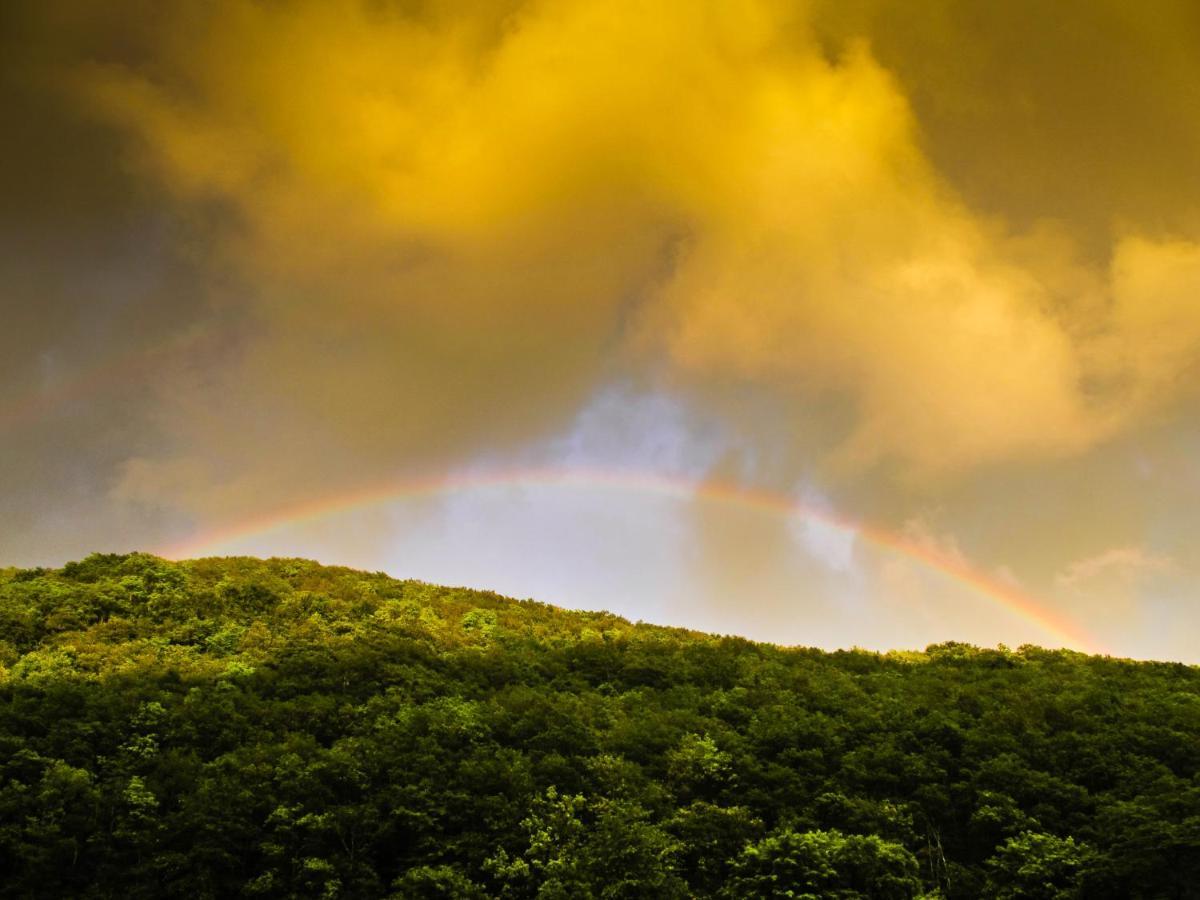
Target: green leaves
{"x":821,"y":864}
{"x":281,"y":729}
{"x":1037,"y":866}
{"x":589,"y":848}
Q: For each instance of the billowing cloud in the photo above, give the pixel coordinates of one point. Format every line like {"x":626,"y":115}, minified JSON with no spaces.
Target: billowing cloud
{"x":451,"y":217}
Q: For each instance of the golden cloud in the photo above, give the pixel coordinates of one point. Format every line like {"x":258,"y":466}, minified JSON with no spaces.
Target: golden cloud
{"x":449,"y":220}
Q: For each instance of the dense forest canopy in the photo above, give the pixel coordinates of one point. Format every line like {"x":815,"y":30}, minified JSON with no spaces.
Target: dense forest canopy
{"x":238,"y":727}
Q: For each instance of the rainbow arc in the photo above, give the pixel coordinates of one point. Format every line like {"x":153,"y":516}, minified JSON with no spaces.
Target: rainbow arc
{"x":1008,"y":596}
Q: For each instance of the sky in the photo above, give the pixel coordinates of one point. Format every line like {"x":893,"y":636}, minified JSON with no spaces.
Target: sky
{"x":825,"y":322}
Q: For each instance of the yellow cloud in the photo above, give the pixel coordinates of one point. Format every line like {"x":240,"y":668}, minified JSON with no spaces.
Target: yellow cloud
{"x":1118,"y":566}
{"x":1156,"y":293}
{"x":447,"y":220}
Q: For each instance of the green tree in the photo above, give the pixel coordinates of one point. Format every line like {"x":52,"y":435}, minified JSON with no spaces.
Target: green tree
{"x":817,"y":864}
{"x":440,"y":882}
{"x":1036,"y":866}
{"x":580,"y":848}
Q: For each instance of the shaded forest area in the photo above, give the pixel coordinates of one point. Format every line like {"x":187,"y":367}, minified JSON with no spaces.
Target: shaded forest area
{"x":237,"y":727}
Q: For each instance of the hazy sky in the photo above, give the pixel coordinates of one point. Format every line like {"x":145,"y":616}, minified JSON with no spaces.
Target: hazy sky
{"x":933,"y":268}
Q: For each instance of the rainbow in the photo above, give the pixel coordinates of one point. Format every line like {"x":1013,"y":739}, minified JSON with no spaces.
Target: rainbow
{"x":89,"y":381}
{"x":1007,"y":596}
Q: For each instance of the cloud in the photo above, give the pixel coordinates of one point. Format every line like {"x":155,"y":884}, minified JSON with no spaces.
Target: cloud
{"x":422,"y":219}
{"x":843,"y":264}
{"x":1156,"y":316}
{"x":1080,"y":113}
{"x":920,"y":533}
{"x":621,"y":428}
{"x":833,"y":545}
{"x":1119,"y":567}
{"x":439,"y":230}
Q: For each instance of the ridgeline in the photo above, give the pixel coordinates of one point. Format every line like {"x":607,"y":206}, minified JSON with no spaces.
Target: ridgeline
{"x":239,"y":727}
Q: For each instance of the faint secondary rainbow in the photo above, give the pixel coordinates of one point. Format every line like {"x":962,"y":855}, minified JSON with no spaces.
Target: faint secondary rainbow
{"x":1009,"y":597}
{"x":111,"y":371}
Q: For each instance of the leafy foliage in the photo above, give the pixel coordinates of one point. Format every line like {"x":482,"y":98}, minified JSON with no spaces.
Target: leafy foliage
{"x":237,"y":727}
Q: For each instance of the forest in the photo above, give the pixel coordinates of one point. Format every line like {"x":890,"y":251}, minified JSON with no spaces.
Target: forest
{"x":277,"y":728}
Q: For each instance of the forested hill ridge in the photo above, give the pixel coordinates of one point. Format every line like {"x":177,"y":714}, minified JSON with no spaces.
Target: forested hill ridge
{"x":238,"y":727}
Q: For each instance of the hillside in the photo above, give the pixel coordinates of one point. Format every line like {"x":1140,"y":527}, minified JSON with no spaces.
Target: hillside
{"x":230,"y":727}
